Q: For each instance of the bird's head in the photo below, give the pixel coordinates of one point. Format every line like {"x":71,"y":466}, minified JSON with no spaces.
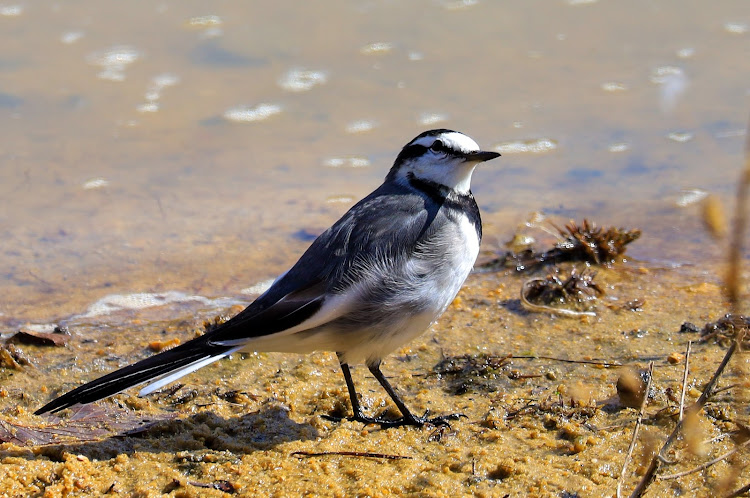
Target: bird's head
{"x":445,"y":157}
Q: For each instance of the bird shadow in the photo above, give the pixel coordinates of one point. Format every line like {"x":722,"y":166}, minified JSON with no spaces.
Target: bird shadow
{"x":255,"y":431}
{"x":514,"y":306}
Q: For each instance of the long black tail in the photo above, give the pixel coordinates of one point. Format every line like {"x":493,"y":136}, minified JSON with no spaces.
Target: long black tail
{"x":147,"y":369}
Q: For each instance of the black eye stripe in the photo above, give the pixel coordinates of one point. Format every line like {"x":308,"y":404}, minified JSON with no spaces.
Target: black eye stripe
{"x":411,"y":151}
{"x":416,"y":150}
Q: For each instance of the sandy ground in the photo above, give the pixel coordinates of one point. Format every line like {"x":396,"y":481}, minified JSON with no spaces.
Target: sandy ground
{"x":254,"y":425}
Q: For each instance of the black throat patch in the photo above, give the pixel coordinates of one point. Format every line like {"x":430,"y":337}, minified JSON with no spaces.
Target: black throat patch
{"x":455,"y":202}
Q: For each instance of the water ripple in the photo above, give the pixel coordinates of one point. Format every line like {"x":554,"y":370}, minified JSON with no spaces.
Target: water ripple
{"x":245,"y":114}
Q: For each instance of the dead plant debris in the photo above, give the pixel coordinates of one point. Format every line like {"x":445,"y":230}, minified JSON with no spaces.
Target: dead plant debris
{"x":221,"y":485}
{"x":576,"y":291}
{"x":636,"y":305}
{"x":474,"y":373}
{"x":725,"y":329}
{"x":555,"y":411}
{"x":587,"y":243}
{"x":26,"y":336}
{"x":486,"y":373}
{"x":13,"y":357}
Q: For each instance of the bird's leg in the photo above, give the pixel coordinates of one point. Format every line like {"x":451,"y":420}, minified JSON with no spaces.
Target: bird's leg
{"x":409,"y":418}
{"x":359,"y":415}
{"x":356,"y":407}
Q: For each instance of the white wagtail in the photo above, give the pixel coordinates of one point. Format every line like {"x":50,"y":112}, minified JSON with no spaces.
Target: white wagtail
{"x":369,"y":284}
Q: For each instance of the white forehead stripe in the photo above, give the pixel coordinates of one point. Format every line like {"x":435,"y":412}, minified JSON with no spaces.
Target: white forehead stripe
{"x":453,"y":140}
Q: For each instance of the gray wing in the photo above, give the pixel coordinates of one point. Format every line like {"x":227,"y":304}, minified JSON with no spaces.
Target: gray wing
{"x":391,"y":219}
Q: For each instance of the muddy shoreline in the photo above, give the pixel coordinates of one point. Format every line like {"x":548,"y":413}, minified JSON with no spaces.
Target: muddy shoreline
{"x":534,"y":425}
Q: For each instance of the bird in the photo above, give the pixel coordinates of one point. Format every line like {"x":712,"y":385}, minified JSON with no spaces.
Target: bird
{"x":372,"y":282}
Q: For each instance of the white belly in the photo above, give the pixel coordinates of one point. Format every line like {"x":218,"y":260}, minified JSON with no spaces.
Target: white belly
{"x":409,"y":297}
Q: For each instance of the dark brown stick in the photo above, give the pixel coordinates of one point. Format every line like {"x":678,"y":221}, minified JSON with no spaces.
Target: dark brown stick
{"x":565,"y":360}
{"x":361,"y":454}
{"x":744,"y":489}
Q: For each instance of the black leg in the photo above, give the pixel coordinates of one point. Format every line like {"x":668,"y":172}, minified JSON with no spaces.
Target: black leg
{"x":356,"y":408}
{"x":407,"y":419}
{"x":358,"y":414}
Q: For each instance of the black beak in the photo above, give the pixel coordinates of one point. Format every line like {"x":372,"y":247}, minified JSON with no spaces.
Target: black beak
{"x":481,"y":156}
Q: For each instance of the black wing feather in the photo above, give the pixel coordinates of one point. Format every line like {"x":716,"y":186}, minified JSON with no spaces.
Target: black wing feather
{"x":137,"y":373}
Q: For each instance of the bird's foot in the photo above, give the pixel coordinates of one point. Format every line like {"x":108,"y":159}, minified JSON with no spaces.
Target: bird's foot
{"x":442,"y":420}
{"x":409,"y":419}
{"x":382,"y":422}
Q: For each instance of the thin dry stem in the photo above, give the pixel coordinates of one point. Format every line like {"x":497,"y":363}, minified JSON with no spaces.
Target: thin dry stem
{"x":636,"y":429}
{"x":744,"y":489}
{"x":704,"y":465}
{"x":360,"y":454}
{"x":603,"y":363}
{"x":657,"y":460}
{"x":684,"y":379}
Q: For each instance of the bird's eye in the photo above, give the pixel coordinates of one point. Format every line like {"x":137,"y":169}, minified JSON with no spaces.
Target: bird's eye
{"x":437,"y":146}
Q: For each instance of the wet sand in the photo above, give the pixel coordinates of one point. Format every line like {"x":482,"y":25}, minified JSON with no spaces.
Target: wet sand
{"x":535,"y":426}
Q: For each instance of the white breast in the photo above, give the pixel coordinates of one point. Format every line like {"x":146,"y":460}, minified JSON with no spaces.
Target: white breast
{"x":448,"y":258}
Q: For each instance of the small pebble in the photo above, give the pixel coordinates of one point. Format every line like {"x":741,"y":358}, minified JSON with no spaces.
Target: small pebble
{"x":675,"y":358}
{"x":158,"y":346}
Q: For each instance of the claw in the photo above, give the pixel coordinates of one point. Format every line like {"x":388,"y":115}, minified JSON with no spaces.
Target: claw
{"x":440,"y":421}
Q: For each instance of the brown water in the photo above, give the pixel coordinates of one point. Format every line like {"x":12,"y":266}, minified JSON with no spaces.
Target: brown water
{"x":197,"y":203}
{"x":124,"y":169}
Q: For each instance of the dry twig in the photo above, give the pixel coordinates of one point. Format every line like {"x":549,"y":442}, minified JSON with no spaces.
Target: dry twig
{"x":637,"y":428}
{"x":659,"y":458}
{"x":705,"y":465}
{"x":684,"y":379}
{"x":744,"y":489}
{"x":603,"y":363}
{"x":361,"y":454}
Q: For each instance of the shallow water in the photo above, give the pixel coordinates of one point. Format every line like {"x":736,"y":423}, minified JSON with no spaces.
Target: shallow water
{"x":180,"y":154}
{"x":125,"y":170}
